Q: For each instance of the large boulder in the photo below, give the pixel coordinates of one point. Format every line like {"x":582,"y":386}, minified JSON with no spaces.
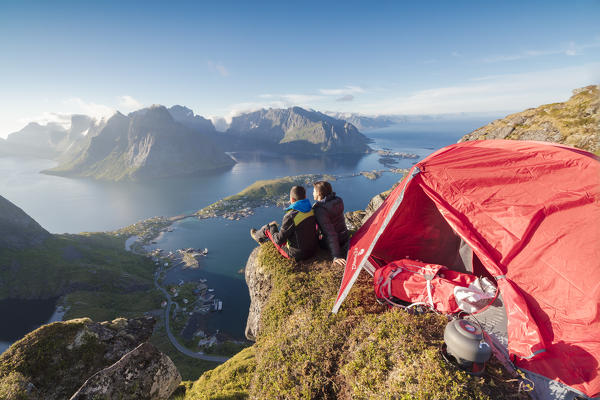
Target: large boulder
{"x":53,"y":361}
{"x":143,"y":373}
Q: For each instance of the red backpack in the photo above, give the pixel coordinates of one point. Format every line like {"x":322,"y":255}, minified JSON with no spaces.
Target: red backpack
{"x":417,"y":282}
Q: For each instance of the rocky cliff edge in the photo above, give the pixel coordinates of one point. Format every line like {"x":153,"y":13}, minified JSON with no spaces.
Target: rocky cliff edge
{"x":82,"y":359}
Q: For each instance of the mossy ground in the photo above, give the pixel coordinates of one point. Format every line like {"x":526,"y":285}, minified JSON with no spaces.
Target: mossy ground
{"x":40,"y":358}
{"x":365,"y":351}
{"x":577,"y":120}
{"x":106,"y":306}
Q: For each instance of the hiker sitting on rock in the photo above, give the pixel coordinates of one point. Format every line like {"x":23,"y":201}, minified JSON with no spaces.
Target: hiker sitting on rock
{"x":297,"y":238}
{"x":329,"y":212}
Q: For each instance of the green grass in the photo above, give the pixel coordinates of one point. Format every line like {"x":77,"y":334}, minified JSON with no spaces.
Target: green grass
{"x":106,"y":306}
{"x":67,"y":263}
{"x":227,"y":348}
{"x":228,"y":381}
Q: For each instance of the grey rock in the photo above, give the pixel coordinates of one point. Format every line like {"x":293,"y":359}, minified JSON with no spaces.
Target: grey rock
{"x":186,"y":116}
{"x":354,"y":219}
{"x":374,"y":204}
{"x":61,"y":356}
{"x":143,"y":373}
{"x":260,"y":286}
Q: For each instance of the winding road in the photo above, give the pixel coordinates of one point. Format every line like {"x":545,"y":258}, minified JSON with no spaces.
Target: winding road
{"x":172,"y":339}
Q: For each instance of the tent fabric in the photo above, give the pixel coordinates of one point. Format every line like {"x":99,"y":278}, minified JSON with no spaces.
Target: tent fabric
{"x":530,"y":211}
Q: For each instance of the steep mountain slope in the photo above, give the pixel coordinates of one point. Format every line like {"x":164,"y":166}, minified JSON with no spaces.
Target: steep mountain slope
{"x":93,"y":270}
{"x":575,"y":122}
{"x":186,"y":116}
{"x":144,"y":145}
{"x":296,"y":130}
{"x":17,"y":229}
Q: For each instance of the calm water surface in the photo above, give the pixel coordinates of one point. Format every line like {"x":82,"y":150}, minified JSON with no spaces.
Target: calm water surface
{"x":76,"y":205}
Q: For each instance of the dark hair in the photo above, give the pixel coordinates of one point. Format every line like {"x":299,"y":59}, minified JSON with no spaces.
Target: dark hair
{"x":323,"y":188}
{"x":298,"y":193}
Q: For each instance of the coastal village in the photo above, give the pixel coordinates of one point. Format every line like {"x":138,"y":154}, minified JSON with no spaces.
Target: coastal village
{"x":192,"y":300}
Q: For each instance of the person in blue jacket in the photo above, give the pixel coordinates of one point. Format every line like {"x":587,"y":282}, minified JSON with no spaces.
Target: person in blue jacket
{"x":297,"y":237}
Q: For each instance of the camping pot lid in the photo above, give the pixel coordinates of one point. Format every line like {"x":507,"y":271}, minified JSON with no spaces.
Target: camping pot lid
{"x":468,"y":329}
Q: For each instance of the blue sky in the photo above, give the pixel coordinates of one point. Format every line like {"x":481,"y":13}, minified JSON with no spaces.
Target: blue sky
{"x":372,"y":57}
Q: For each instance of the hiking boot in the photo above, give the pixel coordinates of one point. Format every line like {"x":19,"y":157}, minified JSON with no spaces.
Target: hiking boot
{"x":254,"y":235}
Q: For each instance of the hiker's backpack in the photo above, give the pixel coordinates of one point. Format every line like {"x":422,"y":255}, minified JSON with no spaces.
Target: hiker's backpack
{"x":407,"y":281}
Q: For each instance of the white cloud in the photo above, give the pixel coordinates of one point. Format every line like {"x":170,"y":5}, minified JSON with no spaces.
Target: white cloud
{"x":568,"y":49}
{"x":497,"y":93}
{"x":45,"y":118}
{"x":342,"y":91}
{"x":129,"y":103}
{"x":77,"y":105}
{"x":219,"y":68}
{"x":247,"y":107}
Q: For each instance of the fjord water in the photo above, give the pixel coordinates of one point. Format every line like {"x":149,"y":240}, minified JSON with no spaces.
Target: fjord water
{"x":75,"y":205}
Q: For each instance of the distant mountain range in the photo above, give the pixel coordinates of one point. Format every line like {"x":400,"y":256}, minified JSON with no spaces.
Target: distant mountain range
{"x":146,"y":144}
{"x":157,"y":142}
{"x":45,"y":141}
{"x":365,"y":122}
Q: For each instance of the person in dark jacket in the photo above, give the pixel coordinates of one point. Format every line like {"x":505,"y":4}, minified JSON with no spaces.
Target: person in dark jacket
{"x":297,"y":237}
{"x":329,"y":212}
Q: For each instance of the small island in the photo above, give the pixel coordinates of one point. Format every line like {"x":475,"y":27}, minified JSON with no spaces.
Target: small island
{"x":264,"y":193}
{"x":390,"y":158}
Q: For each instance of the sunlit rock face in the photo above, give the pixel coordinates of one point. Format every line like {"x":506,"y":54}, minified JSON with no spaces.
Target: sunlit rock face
{"x":296,"y":130}
{"x":575,"y":122}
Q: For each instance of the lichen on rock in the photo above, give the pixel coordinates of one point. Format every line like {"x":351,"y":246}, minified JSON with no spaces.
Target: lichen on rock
{"x":143,"y":373}
{"x":53,"y":361}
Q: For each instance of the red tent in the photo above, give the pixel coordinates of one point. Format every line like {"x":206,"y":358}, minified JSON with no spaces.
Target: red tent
{"x":530,"y":212}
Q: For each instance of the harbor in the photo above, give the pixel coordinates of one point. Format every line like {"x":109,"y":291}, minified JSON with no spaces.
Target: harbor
{"x":194,"y":300}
